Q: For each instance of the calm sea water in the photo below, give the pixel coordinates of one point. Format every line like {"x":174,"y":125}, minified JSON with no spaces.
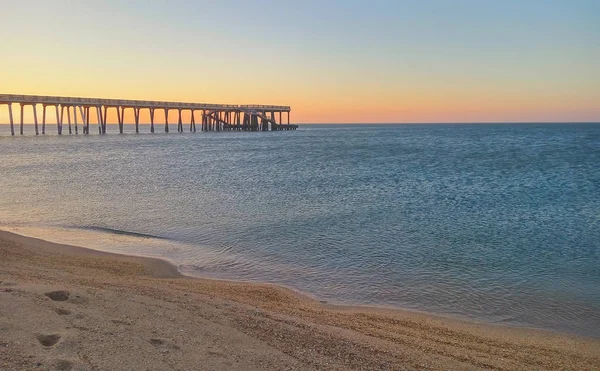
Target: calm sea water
{"x":498,"y":223}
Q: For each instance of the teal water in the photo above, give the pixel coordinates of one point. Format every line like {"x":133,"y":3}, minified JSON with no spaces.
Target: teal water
{"x":497,"y":223}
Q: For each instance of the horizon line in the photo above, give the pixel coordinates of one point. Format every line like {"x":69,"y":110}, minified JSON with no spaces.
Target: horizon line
{"x":407,"y":123}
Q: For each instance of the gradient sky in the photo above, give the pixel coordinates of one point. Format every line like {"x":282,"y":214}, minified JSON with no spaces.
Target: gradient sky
{"x":332,"y":61}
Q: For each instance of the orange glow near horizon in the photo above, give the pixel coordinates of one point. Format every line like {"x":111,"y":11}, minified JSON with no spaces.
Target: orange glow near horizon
{"x":419,"y":108}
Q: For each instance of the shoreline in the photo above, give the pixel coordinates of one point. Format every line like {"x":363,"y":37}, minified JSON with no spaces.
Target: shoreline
{"x":345,"y":335}
{"x":297,"y":291}
{"x":302,"y":294}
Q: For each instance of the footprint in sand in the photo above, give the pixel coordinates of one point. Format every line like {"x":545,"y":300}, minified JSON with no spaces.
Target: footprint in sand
{"x":62,"y":311}
{"x":48,"y":340}
{"x":62,"y":365}
{"x":60,"y":295}
{"x":163,"y":344}
{"x":121,"y":322}
{"x":63,"y":295}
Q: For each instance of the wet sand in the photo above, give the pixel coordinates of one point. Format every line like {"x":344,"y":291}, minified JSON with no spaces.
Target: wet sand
{"x":65,"y":307}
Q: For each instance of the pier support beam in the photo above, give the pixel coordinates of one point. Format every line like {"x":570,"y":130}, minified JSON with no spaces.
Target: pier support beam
{"x":193,"y":122}
{"x":58,"y":122}
{"x":43,"y":119}
{"x":152,"y":120}
{"x":33,"y":106}
{"x":69,"y":118}
{"x":12,"y":123}
{"x":100,"y":121}
{"x":75,"y":119}
{"x":35,"y":121}
{"x":62,"y":113}
{"x":104,"y":118}
{"x":83,"y":121}
{"x":136,"y":113}
{"x":21,"y":119}
{"x":87,"y":119}
{"x":166,"y":120}
{"x":81,"y":113}
{"x":179,"y":123}
{"x":120,"y":115}
{"x":62,"y":116}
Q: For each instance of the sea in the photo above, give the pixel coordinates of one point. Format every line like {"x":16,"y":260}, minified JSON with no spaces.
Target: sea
{"x":493,"y":223}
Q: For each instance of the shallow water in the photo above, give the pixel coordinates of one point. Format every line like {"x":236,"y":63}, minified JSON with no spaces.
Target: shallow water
{"x":499,"y":223}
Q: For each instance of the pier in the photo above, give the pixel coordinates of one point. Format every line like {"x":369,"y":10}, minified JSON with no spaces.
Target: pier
{"x":212,"y":117}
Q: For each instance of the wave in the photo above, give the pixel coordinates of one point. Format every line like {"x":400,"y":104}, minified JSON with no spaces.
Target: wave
{"x":117,"y":231}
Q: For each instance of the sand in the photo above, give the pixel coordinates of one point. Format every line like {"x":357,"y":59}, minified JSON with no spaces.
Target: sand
{"x":65,"y":307}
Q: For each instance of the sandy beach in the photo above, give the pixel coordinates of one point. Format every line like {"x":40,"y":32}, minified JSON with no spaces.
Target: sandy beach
{"x":65,"y":307}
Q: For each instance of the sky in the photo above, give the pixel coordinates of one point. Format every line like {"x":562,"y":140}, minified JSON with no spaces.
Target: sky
{"x":331,"y":61}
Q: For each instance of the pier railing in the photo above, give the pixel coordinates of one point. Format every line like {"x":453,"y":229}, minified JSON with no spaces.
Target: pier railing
{"x":53,"y":100}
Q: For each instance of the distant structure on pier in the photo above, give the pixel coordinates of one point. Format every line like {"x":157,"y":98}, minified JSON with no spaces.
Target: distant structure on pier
{"x":215,"y":117}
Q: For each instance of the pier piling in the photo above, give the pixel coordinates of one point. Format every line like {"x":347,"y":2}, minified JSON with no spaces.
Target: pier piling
{"x":75,"y":118}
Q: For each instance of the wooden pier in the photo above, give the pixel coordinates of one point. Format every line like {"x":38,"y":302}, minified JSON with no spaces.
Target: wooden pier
{"x":214,"y":117}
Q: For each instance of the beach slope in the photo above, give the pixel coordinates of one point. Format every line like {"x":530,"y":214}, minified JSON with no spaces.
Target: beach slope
{"x":65,"y":307}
